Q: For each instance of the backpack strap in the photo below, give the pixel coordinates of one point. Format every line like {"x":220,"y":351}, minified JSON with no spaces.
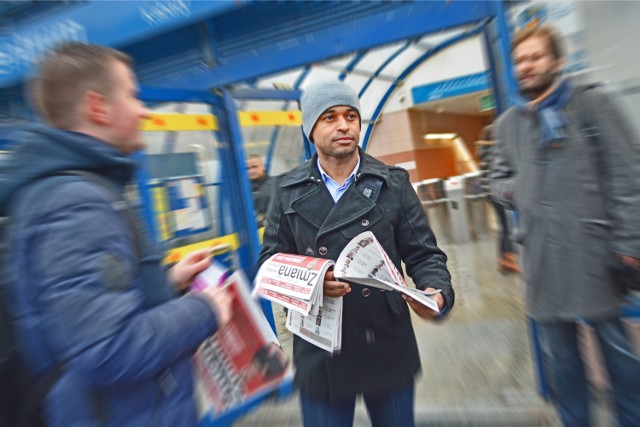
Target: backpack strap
{"x":589,"y":128}
{"x":592,"y":135}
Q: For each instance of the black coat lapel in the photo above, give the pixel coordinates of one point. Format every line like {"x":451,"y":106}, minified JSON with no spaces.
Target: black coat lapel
{"x":314,"y":206}
{"x":351,"y":206}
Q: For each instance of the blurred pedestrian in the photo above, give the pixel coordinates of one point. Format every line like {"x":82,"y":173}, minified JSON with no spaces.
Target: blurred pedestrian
{"x":567,"y":158}
{"x":96,"y":317}
{"x":508,"y":258}
{"x":318,"y":208}
{"x":261,"y":187}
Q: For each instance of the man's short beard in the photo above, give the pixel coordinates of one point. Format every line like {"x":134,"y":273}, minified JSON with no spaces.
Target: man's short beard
{"x":535,"y":92}
{"x":343,"y":154}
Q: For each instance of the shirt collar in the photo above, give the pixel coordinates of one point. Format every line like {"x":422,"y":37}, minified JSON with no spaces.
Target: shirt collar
{"x":350,"y":178}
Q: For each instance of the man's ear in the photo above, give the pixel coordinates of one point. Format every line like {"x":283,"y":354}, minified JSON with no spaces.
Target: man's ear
{"x":95,"y":108}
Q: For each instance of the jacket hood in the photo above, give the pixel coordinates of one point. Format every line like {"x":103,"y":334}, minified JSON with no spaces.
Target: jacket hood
{"x":41,"y":151}
{"x":308,"y":171}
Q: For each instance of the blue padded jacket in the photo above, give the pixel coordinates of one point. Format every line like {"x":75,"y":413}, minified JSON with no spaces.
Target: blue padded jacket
{"x":77,"y":291}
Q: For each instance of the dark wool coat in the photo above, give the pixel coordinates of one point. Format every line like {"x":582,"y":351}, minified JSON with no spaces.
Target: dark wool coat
{"x":379,"y":351}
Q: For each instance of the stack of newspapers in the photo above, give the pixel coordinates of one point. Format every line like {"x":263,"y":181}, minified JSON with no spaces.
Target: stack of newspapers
{"x":296,"y":282}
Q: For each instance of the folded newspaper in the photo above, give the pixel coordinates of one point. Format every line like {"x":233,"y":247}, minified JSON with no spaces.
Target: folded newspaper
{"x":365,"y":261}
{"x":243,"y":358}
{"x":296,"y":282}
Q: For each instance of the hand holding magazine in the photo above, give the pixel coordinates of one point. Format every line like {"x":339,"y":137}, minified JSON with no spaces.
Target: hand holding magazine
{"x":296,"y":282}
{"x":243,"y":358}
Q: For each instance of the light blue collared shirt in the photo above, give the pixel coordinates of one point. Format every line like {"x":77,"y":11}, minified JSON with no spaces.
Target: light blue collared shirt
{"x":336,"y":190}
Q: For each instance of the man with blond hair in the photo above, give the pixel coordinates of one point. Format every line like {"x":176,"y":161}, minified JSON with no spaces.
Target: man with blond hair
{"x":567,"y":159}
{"x":95,"y":316}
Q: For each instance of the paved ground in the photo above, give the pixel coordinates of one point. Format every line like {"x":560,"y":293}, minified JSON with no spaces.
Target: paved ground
{"x":484,"y":374}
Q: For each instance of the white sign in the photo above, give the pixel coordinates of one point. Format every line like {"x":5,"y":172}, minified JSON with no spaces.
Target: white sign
{"x":407,"y":165}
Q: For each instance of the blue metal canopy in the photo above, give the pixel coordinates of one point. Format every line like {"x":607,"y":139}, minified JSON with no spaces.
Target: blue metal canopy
{"x":199,"y":45}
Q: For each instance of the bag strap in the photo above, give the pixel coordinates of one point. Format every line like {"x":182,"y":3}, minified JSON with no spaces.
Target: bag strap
{"x":588,"y":125}
{"x":591,"y":134}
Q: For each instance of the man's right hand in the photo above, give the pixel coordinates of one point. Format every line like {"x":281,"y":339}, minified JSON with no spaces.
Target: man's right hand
{"x":334,"y":288}
{"x":221,"y":302}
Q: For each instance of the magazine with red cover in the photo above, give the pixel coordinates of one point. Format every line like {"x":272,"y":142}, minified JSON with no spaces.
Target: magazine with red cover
{"x":241,"y":359}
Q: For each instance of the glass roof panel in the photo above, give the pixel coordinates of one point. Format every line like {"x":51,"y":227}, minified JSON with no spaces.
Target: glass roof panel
{"x":376,"y":57}
{"x":403,"y":60}
{"x":372,"y":97}
{"x":356,"y":81}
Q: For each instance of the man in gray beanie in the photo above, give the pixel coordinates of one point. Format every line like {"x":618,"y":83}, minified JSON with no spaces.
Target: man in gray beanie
{"x":318,"y":208}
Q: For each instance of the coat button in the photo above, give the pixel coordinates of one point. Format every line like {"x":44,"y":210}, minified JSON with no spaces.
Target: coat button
{"x":365,"y":222}
{"x":323,"y":250}
{"x":370,"y":337}
{"x":366,"y":292}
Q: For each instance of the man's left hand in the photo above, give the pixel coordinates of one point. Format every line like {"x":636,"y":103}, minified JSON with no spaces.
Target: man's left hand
{"x":421,"y":310}
{"x":183,"y":273}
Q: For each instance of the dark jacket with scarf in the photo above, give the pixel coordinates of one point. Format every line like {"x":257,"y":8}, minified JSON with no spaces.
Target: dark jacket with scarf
{"x":579,"y":201}
{"x":80,"y":300}
{"x":379,"y":351}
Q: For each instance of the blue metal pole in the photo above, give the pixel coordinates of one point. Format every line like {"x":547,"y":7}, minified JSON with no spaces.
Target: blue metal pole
{"x":352,"y":64}
{"x":238,"y":184}
{"x":285,"y":105}
{"x":498,"y":94}
{"x":504,"y":51}
{"x":240,"y":193}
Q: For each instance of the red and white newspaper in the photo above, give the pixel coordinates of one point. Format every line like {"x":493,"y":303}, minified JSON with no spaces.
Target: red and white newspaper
{"x":324,"y":329}
{"x":294,"y":281}
{"x":365,"y":261}
{"x":241,"y":359}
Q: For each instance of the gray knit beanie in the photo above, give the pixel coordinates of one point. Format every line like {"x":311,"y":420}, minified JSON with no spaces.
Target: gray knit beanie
{"x":319,"y":97}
